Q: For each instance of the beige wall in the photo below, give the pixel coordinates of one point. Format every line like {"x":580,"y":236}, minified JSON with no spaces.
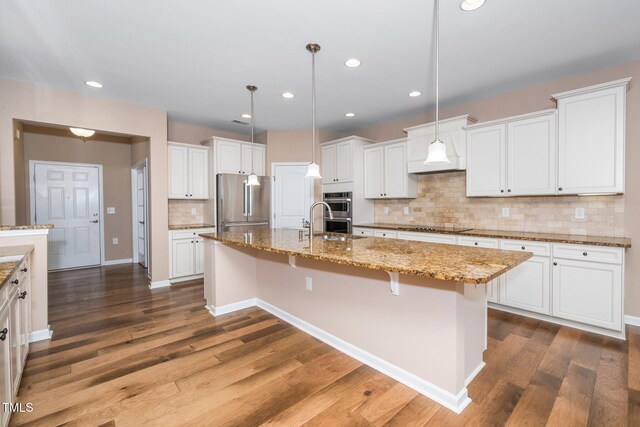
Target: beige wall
{"x":192,"y":134}
{"x":139,"y":149}
{"x":42,"y":104}
{"x":113,"y":153}
{"x":623,"y":209}
{"x":22,"y":215}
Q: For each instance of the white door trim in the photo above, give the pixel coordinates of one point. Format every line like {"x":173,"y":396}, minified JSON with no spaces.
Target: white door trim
{"x":134,"y":215}
{"x":273,"y":186}
{"x":32,"y":193}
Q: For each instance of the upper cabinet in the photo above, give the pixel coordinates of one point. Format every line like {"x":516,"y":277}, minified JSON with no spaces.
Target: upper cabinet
{"x":591,"y":139}
{"x":188,"y":171}
{"x":338,"y":160}
{"x":451,"y":133}
{"x":385,"y":171}
{"x":513,"y":157}
{"x":239,"y":157}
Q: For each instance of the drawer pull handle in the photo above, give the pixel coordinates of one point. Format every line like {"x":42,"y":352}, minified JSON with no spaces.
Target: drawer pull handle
{"x":3,"y":334}
{"x":24,"y":270}
{"x":15,"y":282}
{"x":584,"y":254}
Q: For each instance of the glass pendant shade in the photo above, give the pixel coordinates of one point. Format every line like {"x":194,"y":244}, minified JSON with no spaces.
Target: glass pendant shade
{"x":313,"y":171}
{"x":84,"y":133}
{"x":437,"y":153}
{"x":253,"y":180}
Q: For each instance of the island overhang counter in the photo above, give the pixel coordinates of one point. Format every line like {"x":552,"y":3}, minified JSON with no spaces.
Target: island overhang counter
{"x":415,"y":311}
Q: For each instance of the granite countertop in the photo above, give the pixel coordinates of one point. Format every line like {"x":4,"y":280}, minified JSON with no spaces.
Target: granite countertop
{"x":445,"y":262}
{"x":9,"y":266}
{"x":189,"y":226}
{"x":26,"y":227}
{"x":620,"y":242}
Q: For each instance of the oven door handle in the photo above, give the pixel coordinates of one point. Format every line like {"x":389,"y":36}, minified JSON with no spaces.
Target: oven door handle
{"x":326,"y":218}
{"x":337,"y":200}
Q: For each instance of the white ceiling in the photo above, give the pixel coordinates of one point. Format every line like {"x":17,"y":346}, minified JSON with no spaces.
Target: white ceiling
{"x":193,"y":58}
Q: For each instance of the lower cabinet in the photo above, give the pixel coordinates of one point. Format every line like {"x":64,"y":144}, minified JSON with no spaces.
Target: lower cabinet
{"x":187,"y":253}
{"x":527,"y":286}
{"x":6,"y":393}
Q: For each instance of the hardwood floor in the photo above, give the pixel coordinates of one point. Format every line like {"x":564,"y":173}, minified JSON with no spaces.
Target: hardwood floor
{"x":124,"y":355}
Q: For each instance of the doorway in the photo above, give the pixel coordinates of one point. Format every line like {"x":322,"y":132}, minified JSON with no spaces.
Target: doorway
{"x":139,"y":202}
{"x":69,"y":196}
{"x":292,"y":194}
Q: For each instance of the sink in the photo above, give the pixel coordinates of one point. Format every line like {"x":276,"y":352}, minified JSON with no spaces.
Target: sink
{"x":337,"y":238}
{"x":11,"y":258}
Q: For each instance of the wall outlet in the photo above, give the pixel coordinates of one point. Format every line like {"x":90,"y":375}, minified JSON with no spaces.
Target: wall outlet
{"x":406,"y":210}
{"x":579,"y":214}
{"x":193,"y":211}
{"x":111,"y":210}
{"x":309,"y":283}
{"x":115,"y":240}
{"x":386,"y":210}
{"x":505,"y":212}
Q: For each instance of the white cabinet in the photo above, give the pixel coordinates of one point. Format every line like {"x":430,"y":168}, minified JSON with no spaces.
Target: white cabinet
{"x":15,"y":317}
{"x":187,"y":253}
{"x":591,"y":139}
{"x":388,"y":234}
{"x":188,"y":172}
{"x":481,"y":242}
{"x":239,"y":157}
{"x":385,"y":172}
{"x":513,"y":157}
{"x":448,"y":239}
{"x":5,"y":364}
{"x":362,"y":232}
{"x":337,"y":162}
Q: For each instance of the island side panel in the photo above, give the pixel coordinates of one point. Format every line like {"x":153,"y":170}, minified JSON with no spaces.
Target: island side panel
{"x":421,"y":330}
{"x":475,"y":331}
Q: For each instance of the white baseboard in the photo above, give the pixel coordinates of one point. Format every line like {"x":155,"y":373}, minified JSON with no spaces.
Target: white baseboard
{"x":41,"y":335}
{"x":230,"y":308}
{"x":159,"y":284}
{"x":186,"y":278}
{"x":474,"y":373}
{"x":453,"y":402}
{"x":118,"y":261}
{"x":632,"y":320}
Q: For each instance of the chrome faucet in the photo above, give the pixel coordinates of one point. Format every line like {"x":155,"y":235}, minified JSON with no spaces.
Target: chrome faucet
{"x":311,"y":216}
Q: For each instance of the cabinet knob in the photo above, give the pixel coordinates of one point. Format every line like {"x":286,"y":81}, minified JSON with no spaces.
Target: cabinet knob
{"x":186,"y":195}
{"x":15,"y":282}
{"x":509,"y":190}
{"x":476,"y":243}
{"x":584,"y":254}
{"x":560,"y":189}
{"x":24,"y":270}
{"x":3,"y":334}
{"x":502,"y":191}
{"x":22,"y":295}
{"x":555,"y":263}
{"x":523,"y":248}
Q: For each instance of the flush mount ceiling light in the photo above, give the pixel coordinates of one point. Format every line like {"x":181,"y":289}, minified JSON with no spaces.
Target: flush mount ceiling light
{"x":313,"y":171}
{"x":352,"y":63}
{"x":93,"y":84}
{"x":469,"y":5}
{"x":415,"y":93}
{"x":253,"y":178}
{"x":437,"y":149}
{"x":287,"y":95}
{"x":82,"y":133}
{"x":350,"y":114}
{"x":246,"y":116}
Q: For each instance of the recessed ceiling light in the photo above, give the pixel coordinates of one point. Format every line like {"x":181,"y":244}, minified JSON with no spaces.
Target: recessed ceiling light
{"x":415,"y":93}
{"x":93,"y":84}
{"x":350,"y":115}
{"x":469,"y":5}
{"x":246,"y":116}
{"x":287,"y":95}
{"x":352,"y":63}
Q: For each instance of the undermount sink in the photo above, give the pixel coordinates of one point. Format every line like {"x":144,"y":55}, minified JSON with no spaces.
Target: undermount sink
{"x":12,"y":258}
{"x":336,"y":238}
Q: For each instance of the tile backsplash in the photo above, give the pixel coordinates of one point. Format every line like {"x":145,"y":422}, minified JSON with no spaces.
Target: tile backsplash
{"x":180,"y":212}
{"x":441,"y":201}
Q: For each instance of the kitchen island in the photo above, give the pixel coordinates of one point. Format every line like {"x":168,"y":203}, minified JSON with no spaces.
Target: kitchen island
{"x":415,"y":311}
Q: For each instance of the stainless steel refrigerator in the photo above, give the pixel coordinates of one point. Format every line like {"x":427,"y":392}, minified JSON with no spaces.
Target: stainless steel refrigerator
{"x":240,"y":207}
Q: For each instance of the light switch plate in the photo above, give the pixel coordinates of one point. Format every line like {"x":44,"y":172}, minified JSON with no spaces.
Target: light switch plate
{"x":579,"y":214}
{"x":115,"y":240}
{"x":309,"y":283}
{"x":193,"y":211}
{"x":386,"y":210}
{"x":406,"y":210}
{"x":505,"y":212}
{"x":111,"y":210}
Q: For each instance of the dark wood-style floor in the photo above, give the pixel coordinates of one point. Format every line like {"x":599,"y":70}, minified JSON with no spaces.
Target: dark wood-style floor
{"x":124,"y":355}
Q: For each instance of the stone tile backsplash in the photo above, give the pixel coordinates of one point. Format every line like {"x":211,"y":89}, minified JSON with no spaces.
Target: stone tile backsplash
{"x":180,"y":212}
{"x":441,"y":201}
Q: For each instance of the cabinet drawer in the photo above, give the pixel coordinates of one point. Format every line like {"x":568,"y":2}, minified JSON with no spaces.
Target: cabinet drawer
{"x":589,"y":253}
{"x":480,"y":242}
{"x":537,"y":248}
{"x":190,"y":234}
{"x":428,"y":237}
{"x":386,"y":233}
{"x":362,"y":232}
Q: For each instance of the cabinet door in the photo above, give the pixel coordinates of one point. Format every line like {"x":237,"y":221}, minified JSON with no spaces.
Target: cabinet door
{"x":183,"y":262}
{"x":25,"y":321}
{"x":362,"y":232}
{"x":344,"y":162}
{"x":531,"y":154}
{"x":492,"y":290}
{"x":228,"y":157}
{"x":527,"y":286}
{"x":178,"y":172}
{"x":395,"y":171}
{"x":15,"y":315}
{"x":6,"y":394}
{"x":374,"y":173}
{"x":428,"y":237}
{"x":486,"y":161}
{"x":588,"y":292}
{"x":247,"y":159}
{"x":329,"y":164}
{"x":591,"y":142}
{"x":258,"y":160}
{"x":387,"y":234}
{"x":198,"y":173}
{"x":199,"y":255}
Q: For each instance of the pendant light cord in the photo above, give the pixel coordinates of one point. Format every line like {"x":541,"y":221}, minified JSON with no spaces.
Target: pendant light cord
{"x":437,"y":69}
{"x":313,"y":107}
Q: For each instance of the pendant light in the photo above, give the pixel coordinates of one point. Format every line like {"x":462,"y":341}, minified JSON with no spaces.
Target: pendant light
{"x":313,"y":170}
{"x":437,"y":149}
{"x":82,"y":133}
{"x":253,"y":178}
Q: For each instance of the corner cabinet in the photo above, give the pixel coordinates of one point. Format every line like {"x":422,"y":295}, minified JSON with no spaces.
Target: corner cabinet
{"x":186,"y":250}
{"x":385,"y":171}
{"x":591,"y":139}
{"x":188,"y":172}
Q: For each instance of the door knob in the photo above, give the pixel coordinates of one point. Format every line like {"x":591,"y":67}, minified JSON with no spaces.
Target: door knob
{"x":95,"y":221}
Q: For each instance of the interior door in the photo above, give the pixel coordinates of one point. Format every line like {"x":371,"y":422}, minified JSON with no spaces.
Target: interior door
{"x":69,"y":198}
{"x":292,"y":196}
{"x":141,"y":214}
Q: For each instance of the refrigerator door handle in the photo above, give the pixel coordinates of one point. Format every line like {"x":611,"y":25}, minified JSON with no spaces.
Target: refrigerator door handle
{"x":249,"y":195}
{"x":244,"y":224}
{"x":244,"y":198}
